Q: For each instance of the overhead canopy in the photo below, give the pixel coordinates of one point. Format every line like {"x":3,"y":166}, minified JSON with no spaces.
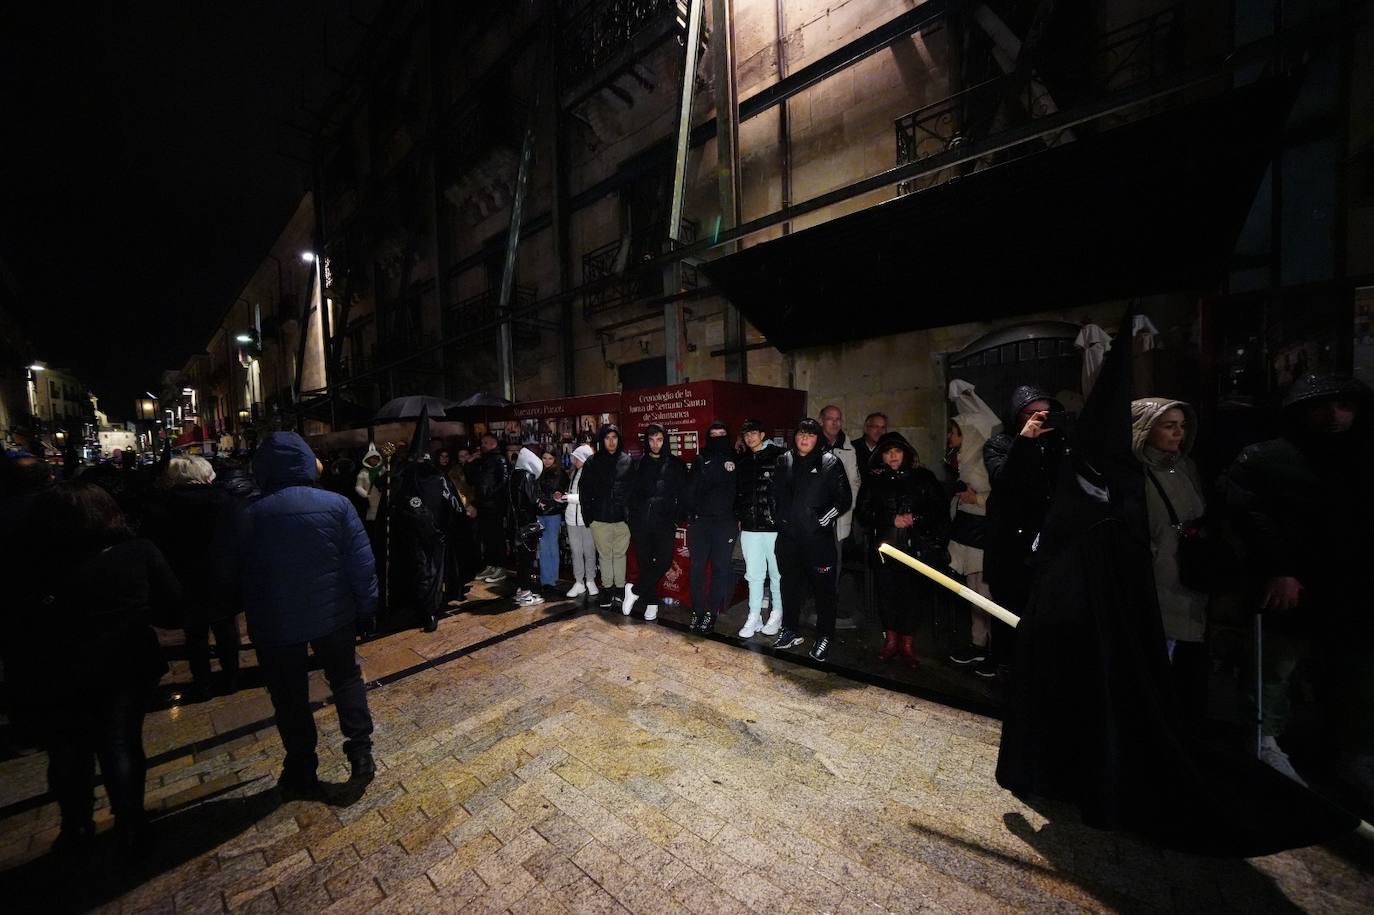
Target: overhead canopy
{"x":1151,"y":207}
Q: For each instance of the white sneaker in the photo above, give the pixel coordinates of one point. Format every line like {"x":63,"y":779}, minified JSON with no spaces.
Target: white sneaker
{"x":497,"y":574}
{"x":528,"y":598}
{"x":592,"y":589}
{"x":651,"y":613}
{"x":522,"y":595}
{"x":1272,"y":755}
{"x":774,"y":624}
{"x":577,"y":590}
{"x":752,"y":625}
{"x":627,"y":604}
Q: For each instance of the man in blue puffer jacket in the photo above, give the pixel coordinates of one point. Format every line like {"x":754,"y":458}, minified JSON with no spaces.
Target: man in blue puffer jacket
{"x":307,"y":577}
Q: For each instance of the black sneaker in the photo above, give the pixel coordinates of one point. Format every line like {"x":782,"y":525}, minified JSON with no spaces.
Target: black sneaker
{"x":431,"y":624}
{"x":695,"y":624}
{"x":707,"y":624}
{"x":363,"y":766}
{"x":603,"y":600}
{"x":819,"y":650}
{"x":970,"y":654}
{"x":786,"y":639}
{"x":987,"y":669}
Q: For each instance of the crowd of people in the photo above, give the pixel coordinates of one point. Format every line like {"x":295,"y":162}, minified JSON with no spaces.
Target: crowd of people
{"x":314,"y":553}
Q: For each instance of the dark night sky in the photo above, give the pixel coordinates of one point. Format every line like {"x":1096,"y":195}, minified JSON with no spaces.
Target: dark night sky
{"x":143,"y":176}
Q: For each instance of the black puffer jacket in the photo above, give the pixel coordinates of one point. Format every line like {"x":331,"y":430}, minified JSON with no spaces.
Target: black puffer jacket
{"x":1023,"y":472}
{"x":605,"y":478}
{"x":754,"y":506}
{"x":1304,"y":503}
{"x":711,"y":491}
{"x":912,"y":490}
{"x":489,"y":475}
{"x":553,"y":479}
{"x":525,"y":495}
{"x":656,"y":485}
{"x":810,"y":493}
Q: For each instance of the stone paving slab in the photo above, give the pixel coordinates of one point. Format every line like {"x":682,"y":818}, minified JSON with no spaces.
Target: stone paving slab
{"x":598,"y":764}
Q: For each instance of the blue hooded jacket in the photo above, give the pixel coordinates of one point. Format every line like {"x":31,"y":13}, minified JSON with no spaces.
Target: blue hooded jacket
{"x":305,"y":563}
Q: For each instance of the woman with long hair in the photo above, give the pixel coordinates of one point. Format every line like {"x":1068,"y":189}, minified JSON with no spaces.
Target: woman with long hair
{"x":97,"y":601}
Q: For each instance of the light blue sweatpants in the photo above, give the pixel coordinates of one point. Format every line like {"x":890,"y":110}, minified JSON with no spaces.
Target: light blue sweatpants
{"x":760,"y":562}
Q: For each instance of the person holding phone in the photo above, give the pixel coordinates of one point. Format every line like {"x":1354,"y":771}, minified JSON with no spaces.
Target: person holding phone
{"x":1022,"y":464}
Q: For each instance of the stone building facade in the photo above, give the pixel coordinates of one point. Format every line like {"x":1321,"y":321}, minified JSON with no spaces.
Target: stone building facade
{"x":419,"y":163}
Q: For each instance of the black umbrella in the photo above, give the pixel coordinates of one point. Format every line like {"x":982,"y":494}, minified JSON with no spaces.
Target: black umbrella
{"x":411,"y":407}
{"x":482,"y":399}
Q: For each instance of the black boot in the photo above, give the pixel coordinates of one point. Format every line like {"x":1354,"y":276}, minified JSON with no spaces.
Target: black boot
{"x":363,"y":767}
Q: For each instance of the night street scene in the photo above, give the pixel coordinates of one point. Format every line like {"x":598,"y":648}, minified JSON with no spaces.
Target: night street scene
{"x":687,"y":456}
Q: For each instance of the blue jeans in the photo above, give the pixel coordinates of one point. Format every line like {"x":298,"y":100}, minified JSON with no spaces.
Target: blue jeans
{"x":761,"y":563}
{"x":548,"y":549}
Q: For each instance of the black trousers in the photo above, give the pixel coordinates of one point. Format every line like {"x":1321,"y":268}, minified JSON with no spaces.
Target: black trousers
{"x":653,"y":548}
{"x":104,"y":723}
{"x":285,"y":669}
{"x":898,"y":589}
{"x":524,"y":567}
{"x":808,"y":568}
{"x":711,"y":542}
{"x":226,"y":649}
{"x":491,"y":524}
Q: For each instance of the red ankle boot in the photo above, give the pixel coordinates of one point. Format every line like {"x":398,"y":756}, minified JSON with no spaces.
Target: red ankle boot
{"x":889,"y":649}
{"x":909,"y":652}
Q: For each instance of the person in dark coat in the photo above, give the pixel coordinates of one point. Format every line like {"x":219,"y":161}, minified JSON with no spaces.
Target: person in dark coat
{"x":190,"y":521}
{"x":1022,"y":464}
{"x":1090,"y":716}
{"x":653,"y":502}
{"x":902,"y":503}
{"x":604,"y":490}
{"x":423,"y":511}
{"x":463,"y":556}
{"x":527,"y":508}
{"x":553,"y":483}
{"x":758,"y":526}
{"x":307,"y":579}
{"x":811,"y":491}
{"x":95,"y":656}
{"x":490,"y":476}
{"x":712,"y":530}
{"x":1303,"y":505}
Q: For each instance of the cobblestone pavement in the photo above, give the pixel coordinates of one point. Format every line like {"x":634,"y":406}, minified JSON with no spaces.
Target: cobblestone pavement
{"x":596,"y":764}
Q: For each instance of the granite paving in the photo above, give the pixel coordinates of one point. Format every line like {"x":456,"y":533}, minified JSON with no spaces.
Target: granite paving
{"x":599,"y":764}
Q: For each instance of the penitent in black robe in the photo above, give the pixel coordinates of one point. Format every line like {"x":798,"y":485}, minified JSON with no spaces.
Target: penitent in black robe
{"x":1090,"y":715}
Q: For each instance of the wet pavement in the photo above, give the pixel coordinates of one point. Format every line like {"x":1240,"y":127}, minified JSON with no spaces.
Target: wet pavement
{"x":553,"y":758}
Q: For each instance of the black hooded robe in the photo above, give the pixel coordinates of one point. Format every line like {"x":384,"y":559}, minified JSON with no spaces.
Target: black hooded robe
{"x":422,"y":511}
{"x":1089,"y":715}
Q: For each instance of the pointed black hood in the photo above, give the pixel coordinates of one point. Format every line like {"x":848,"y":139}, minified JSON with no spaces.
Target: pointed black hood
{"x":1101,"y":477}
{"x":419,"y":442}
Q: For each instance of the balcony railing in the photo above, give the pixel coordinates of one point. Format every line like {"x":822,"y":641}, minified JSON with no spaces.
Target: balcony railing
{"x":622,"y":258}
{"x":1129,"y":55}
{"x":479,"y":310}
{"x":598,"y":30}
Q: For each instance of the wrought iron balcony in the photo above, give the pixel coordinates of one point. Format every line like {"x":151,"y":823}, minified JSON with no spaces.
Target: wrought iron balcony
{"x":479,"y":310}
{"x":595,"y":32}
{"x":622,"y":258}
{"x":1129,"y":55}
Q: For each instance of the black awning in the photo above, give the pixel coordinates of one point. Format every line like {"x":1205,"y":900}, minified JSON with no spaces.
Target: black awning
{"x":1151,"y":207}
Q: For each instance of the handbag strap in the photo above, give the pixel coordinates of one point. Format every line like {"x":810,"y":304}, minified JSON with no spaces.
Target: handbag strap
{"x":1169,"y":506}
